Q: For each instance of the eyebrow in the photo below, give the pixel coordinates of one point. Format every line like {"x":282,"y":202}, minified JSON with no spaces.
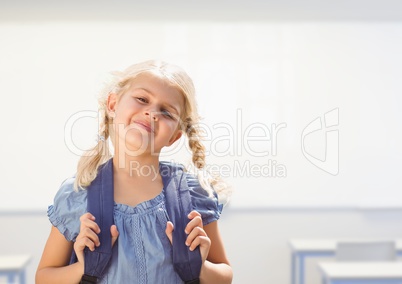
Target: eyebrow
{"x":167,"y":104}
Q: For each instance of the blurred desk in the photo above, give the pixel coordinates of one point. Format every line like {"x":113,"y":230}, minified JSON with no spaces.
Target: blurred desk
{"x":361,"y":272}
{"x":302,"y":248}
{"x":13,"y":266}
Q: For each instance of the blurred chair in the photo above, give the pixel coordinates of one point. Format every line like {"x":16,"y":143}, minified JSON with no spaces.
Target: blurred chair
{"x":366,"y":251}
{"x":14,"y":267}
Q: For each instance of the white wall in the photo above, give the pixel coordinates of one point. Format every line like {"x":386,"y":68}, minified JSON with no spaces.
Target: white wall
{"x":254,"y":63}
{"x":322,"y":99}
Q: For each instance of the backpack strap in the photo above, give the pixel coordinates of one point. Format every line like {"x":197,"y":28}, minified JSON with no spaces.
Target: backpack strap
{"x":178,"y":205}
{"x":100,"y":203}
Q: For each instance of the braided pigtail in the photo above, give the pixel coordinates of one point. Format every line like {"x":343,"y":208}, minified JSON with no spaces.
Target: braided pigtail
{"x":90,"y":161}
{"x":209,"y":181}
{"x":196,"y":147}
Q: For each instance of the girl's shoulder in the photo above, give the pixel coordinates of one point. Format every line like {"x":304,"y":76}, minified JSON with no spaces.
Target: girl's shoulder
{"x":67,"y":193}
{"x":204,"y":199}
{"x":68,"y":206}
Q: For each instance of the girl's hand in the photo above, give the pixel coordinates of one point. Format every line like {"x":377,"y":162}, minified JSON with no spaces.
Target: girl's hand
{"x":88,"y":236}
{"x":196,"y":234}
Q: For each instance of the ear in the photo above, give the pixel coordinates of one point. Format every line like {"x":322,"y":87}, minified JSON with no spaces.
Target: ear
{"x":111,"y":102}
{"x":175,"y":137}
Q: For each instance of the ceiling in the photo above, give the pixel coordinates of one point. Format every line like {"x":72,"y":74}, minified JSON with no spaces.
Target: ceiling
{"x":206,"y":10}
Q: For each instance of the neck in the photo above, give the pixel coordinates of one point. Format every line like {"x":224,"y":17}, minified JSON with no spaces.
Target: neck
{"x":136,"y":167}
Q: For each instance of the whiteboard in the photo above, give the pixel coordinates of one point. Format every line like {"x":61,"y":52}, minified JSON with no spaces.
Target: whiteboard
{"x":296,"y":114}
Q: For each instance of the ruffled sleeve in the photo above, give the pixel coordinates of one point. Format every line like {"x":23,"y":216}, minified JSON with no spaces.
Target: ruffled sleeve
{"x":67,"y":209}
{"x":208,"y":206}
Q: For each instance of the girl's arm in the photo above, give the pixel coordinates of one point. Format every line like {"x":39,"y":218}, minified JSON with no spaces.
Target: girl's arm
{"x":53,"y":266}
{"x":216,"y":268}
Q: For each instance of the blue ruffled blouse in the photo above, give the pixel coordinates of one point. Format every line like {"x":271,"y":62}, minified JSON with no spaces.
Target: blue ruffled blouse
{"x":143,"y":252}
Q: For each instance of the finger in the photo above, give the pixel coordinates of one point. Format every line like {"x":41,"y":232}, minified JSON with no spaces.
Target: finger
{"x":202,"y":241}
{"x":90,"y":234}
{"x":114,"y":233}
{"x":90,"y":225}
{"x":195,"y":222}
{"x":169,"y":231}
{"x":88,"y":243}
{"x":81,"y":243}
{"x":197,"y":231}
{"x":88,"y":221}
{"x":87,"y":215}
{"x":193,"y":214}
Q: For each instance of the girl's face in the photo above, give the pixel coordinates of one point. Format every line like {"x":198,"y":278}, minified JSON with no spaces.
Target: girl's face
{"x":147,"y":115}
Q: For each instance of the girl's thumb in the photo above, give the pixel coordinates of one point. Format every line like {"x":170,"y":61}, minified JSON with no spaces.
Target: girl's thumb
{"x":169,"y":230}
{"x":114,"y":233}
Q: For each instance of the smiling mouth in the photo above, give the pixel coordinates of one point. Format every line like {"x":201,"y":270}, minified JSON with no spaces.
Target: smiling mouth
{"x":145,"y":126}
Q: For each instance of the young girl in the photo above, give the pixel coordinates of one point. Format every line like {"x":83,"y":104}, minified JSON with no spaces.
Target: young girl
{"x":149,"y":106}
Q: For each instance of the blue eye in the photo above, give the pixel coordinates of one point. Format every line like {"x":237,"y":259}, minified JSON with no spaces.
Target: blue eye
{"x":167,"y":114}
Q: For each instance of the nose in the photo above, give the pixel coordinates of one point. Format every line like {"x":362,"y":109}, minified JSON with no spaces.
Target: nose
{"x":152,"y":114}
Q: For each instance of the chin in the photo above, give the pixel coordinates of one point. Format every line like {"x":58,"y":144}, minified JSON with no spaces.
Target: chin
{"x":135,"y":142}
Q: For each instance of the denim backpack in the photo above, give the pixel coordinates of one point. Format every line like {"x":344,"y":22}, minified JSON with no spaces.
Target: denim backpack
{"x":100,"y":203}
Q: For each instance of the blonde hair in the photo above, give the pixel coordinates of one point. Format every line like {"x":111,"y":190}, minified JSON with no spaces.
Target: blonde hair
{"x":91,"y":160}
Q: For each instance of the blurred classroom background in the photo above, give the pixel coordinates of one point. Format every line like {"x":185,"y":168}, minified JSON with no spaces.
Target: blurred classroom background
{"x":301,"y":104}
